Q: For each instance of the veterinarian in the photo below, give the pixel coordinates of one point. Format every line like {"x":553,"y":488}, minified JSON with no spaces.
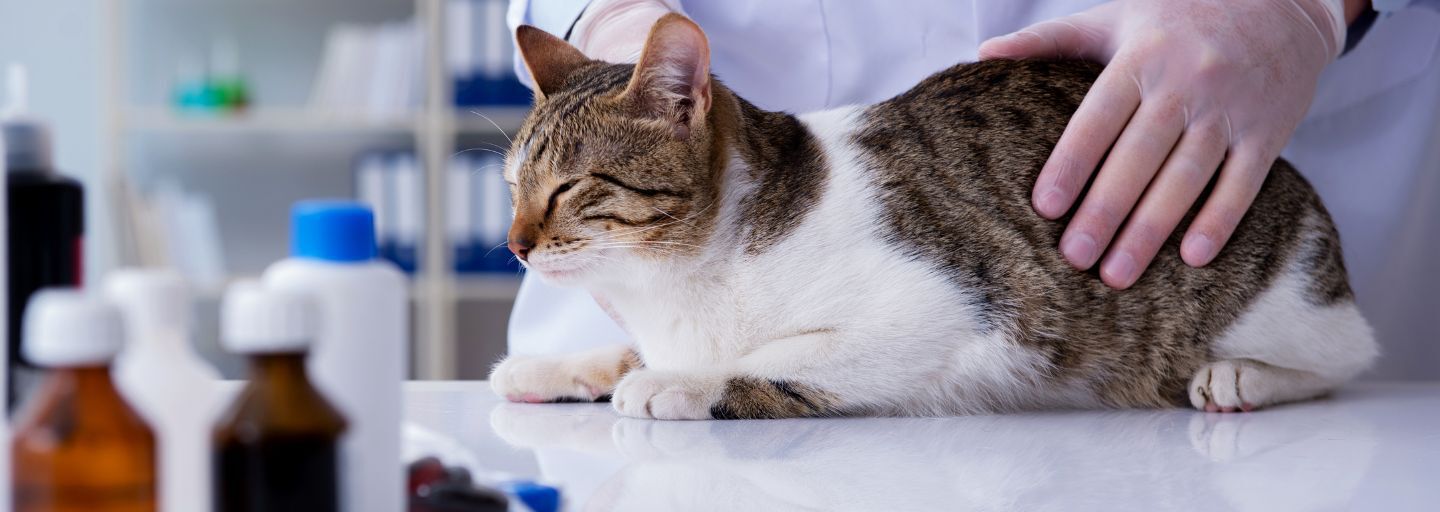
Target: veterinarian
{"x":1196,"y":92}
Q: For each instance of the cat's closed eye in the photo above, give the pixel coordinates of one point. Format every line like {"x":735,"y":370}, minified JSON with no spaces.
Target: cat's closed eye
{"x":554,"y":196}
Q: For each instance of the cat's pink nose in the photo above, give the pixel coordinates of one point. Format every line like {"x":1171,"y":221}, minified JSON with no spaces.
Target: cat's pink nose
{"x":521,"y":247}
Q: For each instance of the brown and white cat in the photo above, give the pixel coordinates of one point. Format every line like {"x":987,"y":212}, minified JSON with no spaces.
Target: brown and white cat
{"x":884,"y":259}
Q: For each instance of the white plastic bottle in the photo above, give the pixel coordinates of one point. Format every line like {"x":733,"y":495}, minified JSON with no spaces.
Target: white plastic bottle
{"x":360,"y":357}
{"x":169,"y":384}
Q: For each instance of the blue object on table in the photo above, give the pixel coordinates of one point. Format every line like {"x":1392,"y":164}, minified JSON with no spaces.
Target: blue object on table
{"x":539,"y":497}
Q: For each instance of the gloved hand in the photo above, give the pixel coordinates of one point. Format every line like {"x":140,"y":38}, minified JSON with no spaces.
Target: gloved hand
{"x":615,"y":30}
{"x":1190,"y":86}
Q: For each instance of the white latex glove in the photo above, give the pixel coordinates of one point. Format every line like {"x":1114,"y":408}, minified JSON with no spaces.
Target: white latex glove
{"x":616,"y":30}
{"x":1190,"y":86}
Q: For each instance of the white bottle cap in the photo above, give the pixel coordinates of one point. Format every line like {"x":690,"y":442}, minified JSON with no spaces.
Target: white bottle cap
{"x":65,"y":327}
{"x":156,"y":302}
{"x":256,"y":319}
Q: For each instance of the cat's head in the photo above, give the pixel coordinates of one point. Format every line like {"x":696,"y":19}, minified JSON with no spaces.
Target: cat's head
{"x":615,"y":164}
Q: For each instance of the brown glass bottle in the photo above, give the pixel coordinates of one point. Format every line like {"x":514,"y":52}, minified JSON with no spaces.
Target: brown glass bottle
{"x":276,"y":448}
{"x":78,"y":446}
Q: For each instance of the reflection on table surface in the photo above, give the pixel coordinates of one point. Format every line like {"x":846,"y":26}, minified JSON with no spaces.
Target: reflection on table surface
{"x":1374,"y":446}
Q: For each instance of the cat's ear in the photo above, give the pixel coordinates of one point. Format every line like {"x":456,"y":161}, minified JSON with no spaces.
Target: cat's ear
{"x":550,"y":59}
{"x":672,"y":79}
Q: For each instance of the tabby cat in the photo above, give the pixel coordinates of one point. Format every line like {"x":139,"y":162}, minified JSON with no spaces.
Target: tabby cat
{"x":884,"y":259}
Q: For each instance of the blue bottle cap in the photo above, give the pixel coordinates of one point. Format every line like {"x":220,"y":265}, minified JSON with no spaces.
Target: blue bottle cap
{"x":538,"y":497}
{"x":332,"y":230}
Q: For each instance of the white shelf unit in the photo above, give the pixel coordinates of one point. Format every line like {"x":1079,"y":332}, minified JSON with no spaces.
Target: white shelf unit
{"x":435,"y":128}
{"x":272,"y":120}
{"x":465,"y":121}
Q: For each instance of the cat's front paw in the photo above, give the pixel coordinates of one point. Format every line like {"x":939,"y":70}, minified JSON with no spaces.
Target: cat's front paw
{"x":666,"y":395}
{"x":533,"y":379}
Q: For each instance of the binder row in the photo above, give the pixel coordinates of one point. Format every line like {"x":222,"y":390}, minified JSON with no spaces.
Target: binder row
{"x":477,"y":202}
{"x":479,"y":50}
{"x":376,"y":71}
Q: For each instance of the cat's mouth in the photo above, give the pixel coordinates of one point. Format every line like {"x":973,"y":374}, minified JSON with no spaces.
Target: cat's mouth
{"x":560,"y":272}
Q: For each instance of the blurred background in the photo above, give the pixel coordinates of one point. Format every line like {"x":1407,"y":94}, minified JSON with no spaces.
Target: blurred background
{"x":194,"y":124}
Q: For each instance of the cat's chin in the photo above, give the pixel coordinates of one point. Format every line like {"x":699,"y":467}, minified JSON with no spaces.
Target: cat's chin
{"x":570,"y":276}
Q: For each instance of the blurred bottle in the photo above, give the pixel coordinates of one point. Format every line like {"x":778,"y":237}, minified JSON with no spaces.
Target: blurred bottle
{"x":276,"y":448}
{"x":77,"y":445}
{"x":359,"y":359}
{"x":4,"y":342}
{"x":191,"y":90}
{"x":216,"y":87}
{"x":45,"y":249}
{"x":173,"y":388}
{"x":225,"y":77}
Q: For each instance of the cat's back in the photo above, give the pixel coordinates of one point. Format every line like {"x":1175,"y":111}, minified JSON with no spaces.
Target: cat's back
{"x":953,"y":162}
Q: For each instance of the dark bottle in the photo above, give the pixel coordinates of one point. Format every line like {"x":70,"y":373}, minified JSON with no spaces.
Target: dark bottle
{"x":276,"y":448}
{"x":46,"y":215}
{"x":77,"y":446}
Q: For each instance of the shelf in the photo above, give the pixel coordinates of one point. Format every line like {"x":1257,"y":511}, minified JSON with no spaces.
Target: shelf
{"x":162,"y":120}
{"x":467,"y":121}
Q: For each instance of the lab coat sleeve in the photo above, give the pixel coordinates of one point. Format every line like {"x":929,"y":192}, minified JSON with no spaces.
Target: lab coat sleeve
{"x":1379,"y":8}
{"x":1433,"y":5}
{"x":553,"y":16}
{"x":1389,"y":6}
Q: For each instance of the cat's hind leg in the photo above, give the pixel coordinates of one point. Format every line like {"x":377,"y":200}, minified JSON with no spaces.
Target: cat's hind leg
{"x":1289,"y":345}
{"x":583,"y":376}
{"x":1244,"y":384}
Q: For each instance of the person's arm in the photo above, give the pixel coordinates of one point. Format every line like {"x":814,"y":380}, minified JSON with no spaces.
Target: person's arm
{"x":1191,"y":89}
{"x":1389,"y":6}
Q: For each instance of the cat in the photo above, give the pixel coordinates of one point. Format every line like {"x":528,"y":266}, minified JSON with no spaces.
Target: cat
{"x":884,"y":259}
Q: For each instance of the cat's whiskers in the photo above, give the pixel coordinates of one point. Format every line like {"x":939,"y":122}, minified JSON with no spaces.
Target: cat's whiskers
{"x":495,"y":124}
{"x":467,"y":150}
{"x":497,"y":246}
{"x":664,"y":247}
{"x":642,"y":229}
{"x":667,"y":214}
{"x":592,"y":258}
{"x":484,"y":167}
{"x":638,"y":243}
{"x":498,"y":147}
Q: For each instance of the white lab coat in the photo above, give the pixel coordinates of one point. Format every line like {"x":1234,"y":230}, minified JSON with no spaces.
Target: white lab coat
{"x":1370,"y":143}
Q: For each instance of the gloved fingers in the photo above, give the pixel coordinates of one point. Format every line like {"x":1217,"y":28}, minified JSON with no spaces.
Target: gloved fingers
{"x":1239,"y":182}
{"x":1077,"y":36}
{"x":1127,"y":171}
{"x":1094,"y":127}
{"x":1179,"y":183}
